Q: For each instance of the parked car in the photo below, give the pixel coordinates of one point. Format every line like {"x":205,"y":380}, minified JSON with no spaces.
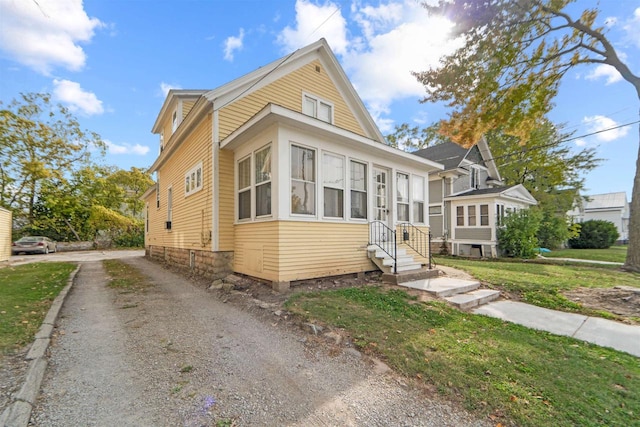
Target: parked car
{"x":34,"y":245}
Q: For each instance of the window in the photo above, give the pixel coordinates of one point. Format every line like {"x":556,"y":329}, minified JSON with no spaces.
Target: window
{"x":244,"y":188}
{"x":263,"y":181}
{"x":174,"y":121}
{"x":161,"y":141}
{"x":314,"y":107}
{"x":484,"y":215}
{"x":358,"y":185}
{"x":435,"y":210}
{"x":474,"y":177}
{"x":193,"y":180}
{"x":499,"y":214}
{"x":402,"y":184}
{"x":157,"y":189}
{"x":169,"y":204}
{"x":418,"y":199}
{"x":146,"y":217}
{"x":333,"y":183}
{"x":471,"y":213}
{"x":303,"y":181}
{"x":460,"y":215}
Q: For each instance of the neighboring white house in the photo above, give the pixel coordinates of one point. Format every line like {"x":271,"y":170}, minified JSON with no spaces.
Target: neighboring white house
{"x":611,"y":207}
{"x":467,"y":200}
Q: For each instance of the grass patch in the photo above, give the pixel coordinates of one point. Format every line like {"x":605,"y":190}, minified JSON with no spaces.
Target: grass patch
{"x":125,"y":278}
{"x":27,"y":291}
{"x":612,"y":254}
{"x":514,"y":375}
{"x":542,"y":284}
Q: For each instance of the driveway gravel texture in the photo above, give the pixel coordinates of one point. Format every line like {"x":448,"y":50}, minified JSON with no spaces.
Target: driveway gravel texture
{"x":178,"y":354}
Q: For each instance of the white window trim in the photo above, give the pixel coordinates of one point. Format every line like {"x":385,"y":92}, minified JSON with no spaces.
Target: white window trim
{"x":244,"y":189}
{"x":366,"y":191}
{"x":318,"y":101}
{"x":170,"y":203}
{"x":191,"y":173}
{"x":252,"y":186}
{"x":255,"y":185}
{"x":316,"y":151}
{"x":324,"y":185}
{"x":413,"y":201}
{"x":397,"y":202}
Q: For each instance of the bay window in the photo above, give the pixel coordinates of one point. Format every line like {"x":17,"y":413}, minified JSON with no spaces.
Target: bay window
{"x":263,"y":181}
{"x":244,"y":188}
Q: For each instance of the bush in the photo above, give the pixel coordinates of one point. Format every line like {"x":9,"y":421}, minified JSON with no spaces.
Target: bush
{"x":553,"y":231}
{"x":595,"y":234}
{"x":518,"y":236}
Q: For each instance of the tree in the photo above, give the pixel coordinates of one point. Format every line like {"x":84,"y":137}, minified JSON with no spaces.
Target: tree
{"x":517,"y":237}
{"x":39,"y":142}
{"x":508,"y":71}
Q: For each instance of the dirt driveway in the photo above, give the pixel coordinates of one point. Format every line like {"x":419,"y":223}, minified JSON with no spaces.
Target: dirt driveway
{"x":179,"y":355}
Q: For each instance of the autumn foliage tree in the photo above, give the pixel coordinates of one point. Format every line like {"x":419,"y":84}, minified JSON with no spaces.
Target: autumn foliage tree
{"x":509,"y":68}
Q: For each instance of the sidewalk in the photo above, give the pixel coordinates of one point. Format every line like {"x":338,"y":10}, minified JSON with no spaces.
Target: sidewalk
{"x":606,"y":333}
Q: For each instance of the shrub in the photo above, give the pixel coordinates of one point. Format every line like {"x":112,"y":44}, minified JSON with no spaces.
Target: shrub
{"x":518,"y":236}
{"x":595,"y":234}
{"x":553,"y":231}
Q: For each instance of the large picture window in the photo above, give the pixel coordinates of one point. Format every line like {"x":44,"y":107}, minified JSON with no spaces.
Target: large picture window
{"x":303,"y":180}
{"x":263,"y":181}
{"x":402,"y":185}
{"x":418,"y":199}
{"x":358,"y":186}
{"x":333,"y":183}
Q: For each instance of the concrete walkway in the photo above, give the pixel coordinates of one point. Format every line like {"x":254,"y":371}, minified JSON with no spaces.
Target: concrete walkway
{"x":586,"y":261}
{"x":606,"y":333}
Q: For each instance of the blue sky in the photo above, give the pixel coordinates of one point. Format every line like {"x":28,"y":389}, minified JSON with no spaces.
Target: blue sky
{"x":112,"y":63}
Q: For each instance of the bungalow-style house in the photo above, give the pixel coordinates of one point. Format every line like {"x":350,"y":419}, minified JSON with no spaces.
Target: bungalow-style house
{"x":467,"y":200}
{"x":279,"y":175}
{"x":612,"y":207}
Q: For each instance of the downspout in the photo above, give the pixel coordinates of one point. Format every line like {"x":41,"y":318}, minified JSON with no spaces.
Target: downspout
{"x":215,"y":187}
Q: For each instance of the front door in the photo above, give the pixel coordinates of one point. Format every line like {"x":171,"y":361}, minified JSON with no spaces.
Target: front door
{"x":381,"y":205}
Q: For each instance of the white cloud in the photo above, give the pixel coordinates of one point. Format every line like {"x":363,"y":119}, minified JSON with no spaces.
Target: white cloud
{"x":314,"y":22}
{"x":231,"y":44}
{"x":46,"y":33}
{"x":394,"y":39}
{"x":166,"y":87}
{"x":77,"y":99}
{"x":136,"y":149}
{"x":632,"y":28}
{"x":580,"y":142}
{"x":607,"y":71}
{"x":600,"y":124}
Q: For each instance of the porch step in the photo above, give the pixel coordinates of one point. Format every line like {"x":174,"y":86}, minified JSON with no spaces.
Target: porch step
{"x":409,"y":276}
{"x":462,"y":294}
{"x":386,"y":263}
{"x":442,"y":287}
{"x":473,"y":298}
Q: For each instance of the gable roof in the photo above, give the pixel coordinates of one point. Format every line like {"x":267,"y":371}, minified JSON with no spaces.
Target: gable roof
{"x":452,"y":156}
{"x":515,"y":192}
{"x":236,"y":89}
{"x":605,"y":201}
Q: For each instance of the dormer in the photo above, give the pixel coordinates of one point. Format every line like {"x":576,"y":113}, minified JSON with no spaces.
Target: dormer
{"x":176,"y":107}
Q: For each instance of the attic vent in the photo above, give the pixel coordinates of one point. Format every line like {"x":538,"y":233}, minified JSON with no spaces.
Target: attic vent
{"x":317,"y":68}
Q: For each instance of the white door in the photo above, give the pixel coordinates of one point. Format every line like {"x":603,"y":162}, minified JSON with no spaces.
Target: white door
{"x":381,"y":208}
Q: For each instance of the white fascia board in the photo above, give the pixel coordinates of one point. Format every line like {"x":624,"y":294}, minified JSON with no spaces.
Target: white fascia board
{"x":170,"y":103}
{"x":149,"y":192}
{"x":277,"y":114}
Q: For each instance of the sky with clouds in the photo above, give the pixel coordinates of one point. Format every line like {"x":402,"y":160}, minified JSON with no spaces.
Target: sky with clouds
{"x":113,"y":62}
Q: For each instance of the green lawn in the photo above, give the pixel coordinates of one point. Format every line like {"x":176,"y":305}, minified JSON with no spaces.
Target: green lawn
{"x":26,"y":293}
{"x":506,"y":372}
{"x":612,"y":254}
{"x":542,"y":284}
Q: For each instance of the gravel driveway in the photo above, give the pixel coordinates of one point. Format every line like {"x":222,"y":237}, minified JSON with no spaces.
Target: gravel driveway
{"x":178,"y":355}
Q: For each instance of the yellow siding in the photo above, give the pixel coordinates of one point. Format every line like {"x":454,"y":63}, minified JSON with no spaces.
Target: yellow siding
{"x":186,"y":107}
{"x":191,"y":218}
{"x":287,"y":92}
{"x":294,"y":250}
{"x":225,"y":200}
{"x":416,"y":256}
{"x":5,"y":234}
